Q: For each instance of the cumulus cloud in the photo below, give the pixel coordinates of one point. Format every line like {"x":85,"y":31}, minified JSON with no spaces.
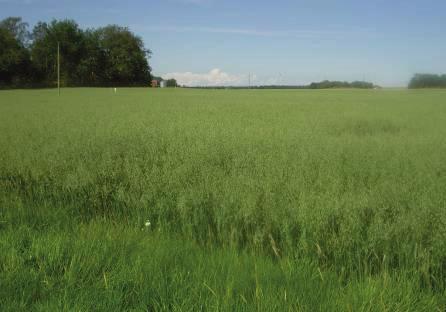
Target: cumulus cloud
{"x":215,"y":77}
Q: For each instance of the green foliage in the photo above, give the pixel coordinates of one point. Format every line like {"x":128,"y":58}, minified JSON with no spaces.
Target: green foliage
{"x":427,"y":81}
{"x":171,"y":83}
{"x":125,"y":56}
{"x":16,"y":27}
{"x":108,"y":56}
{"x":14,"y":59}
{"x":259,"y":200}
{"x":44,"y":50}
{"x":326,"y":84}
{"x":104,"y":266}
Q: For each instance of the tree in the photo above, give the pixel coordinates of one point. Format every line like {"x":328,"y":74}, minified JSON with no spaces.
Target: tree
{"x":171,"y":83}
{"x":427,"y":81}
{"x":17,"y":28}
{"x":44,"y":50}
{"x":125,"y":56}
{"x":92,"y":66}
{"x":14,"y":59}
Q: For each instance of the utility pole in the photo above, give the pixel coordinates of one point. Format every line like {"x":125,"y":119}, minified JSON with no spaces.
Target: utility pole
{"x":58,"y":68}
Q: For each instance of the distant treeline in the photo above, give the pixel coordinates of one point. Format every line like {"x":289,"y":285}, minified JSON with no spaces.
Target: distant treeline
{"x":106,"y":56}
{"x":427,"y":81}
{"x":326,"y":84}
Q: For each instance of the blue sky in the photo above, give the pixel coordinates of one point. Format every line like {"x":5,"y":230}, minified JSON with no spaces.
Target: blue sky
{"x":288,"y":42}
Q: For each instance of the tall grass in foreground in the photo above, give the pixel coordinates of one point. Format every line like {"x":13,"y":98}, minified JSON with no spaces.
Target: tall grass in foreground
{"x":260,"y":200}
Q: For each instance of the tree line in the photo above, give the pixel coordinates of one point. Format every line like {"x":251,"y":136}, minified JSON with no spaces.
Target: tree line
{"x":326,"y":84}
{"x":105,"y":56}
{"x":427,"y":81}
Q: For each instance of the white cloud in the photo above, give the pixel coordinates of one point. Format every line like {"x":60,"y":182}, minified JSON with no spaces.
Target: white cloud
{"x":215,"y":77}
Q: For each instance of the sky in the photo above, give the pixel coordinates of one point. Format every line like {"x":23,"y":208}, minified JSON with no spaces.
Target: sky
{"x":232,"y":42}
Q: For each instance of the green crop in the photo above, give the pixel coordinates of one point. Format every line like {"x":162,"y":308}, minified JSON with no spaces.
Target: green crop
{"x":254,"y":200}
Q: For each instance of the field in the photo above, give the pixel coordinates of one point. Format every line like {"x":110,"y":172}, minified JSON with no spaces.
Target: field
{"x":257,"y":200}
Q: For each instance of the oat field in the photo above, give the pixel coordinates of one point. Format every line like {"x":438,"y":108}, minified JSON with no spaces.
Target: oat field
{"x":228,"y":200}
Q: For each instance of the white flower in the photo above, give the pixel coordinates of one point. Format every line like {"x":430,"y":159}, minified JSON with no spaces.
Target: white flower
{"x":147,"y":224}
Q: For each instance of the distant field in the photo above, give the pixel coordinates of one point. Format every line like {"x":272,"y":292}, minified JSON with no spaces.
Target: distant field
{"x":257,"y":200}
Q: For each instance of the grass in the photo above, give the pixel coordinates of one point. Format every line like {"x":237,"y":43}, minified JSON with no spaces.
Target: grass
{"x":258,"y":200}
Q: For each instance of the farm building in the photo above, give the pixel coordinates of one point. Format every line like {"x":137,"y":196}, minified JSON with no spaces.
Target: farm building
{"x":158,"y":83}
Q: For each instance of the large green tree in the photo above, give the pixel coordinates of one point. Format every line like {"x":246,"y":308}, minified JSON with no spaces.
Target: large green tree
{"x":125,"y":56}
{"x":17,"y":28}
{"x":171,"y":83}
{"x":70,"y":37}
{"x":14,"y":59}
{"x":91,"y":67}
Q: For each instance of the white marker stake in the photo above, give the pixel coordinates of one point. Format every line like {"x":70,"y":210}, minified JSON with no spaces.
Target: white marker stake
{"x":115,"y":90}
